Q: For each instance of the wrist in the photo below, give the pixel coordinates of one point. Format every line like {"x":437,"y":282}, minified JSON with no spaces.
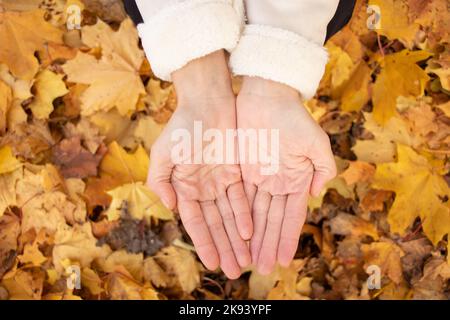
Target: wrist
{"x":257,"y":86}
{"x":204,"y":78}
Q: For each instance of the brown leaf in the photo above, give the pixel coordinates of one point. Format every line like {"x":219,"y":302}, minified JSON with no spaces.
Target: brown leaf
{"x":74,"y":160}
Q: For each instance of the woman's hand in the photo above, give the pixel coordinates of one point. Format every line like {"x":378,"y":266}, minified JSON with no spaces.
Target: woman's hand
{"x":304,"y":163}
{"x":209,"y":194}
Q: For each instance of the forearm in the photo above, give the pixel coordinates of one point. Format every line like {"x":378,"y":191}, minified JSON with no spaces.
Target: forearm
{"x":206,"y":77}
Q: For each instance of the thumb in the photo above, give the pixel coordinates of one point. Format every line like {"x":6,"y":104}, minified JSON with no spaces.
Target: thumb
{"x":159,"y":178}
{"x":322,"y":158}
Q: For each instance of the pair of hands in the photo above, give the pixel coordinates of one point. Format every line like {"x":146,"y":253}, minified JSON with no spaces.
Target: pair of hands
{"x":222,"y":205}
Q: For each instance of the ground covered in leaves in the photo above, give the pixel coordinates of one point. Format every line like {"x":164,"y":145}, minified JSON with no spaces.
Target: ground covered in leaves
{"x":79,"y":111}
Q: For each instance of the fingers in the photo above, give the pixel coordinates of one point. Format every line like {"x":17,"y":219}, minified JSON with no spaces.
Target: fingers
{"x":239,"y":246}
{"x":241,"y":209}
{"x":192,"y":218}
{"x":322,"y":158}
{"x":260,"y":209}
{"x":268,"y":254}
{"x":159,"y":176}
{"x":228,"y":261}
{"x":250,"y":191}
{"x":294,"y":219}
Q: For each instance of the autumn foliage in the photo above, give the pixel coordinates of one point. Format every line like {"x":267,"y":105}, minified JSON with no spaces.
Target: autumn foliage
{"x":80,"y":110}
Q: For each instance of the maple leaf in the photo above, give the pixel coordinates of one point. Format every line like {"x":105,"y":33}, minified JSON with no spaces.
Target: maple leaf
{"x":262,"y":286}
{"x":77,"y":244}
{"x":138,"y":201}
{"x":339,"y":68}
{"x":88,"y":133}
{"x":74,"y":160}
{"x":347,"y":224}
{"x":92,"y":281}
{"x":387,"y":256}
{"x":47,"y":211}
{"x":143,"y":131}
{"x":355,"y":93}
{"x":125,"y":167}
{"x":154,"y":273}
{"x":181,"y":264}
{"x":122,"y":287}
{"x":48,"y":86}
{"x":392,"y":83}
{"x":25,"y":33}
{"x":9,"y":232}
{"x":114,"y":79}
{"x":420,"y":192}
{"x":24,"y":284}
{"x":394,"y":22}
{"x":133,"y":263}
{"x":29,"y":140}
{"x":32,"y":255}
{"x":382,"y":148}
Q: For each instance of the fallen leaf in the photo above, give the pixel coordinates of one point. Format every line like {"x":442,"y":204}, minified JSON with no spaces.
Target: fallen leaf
{"x":420,"y":192}
{"x":391,"y":82}
{"x":347,"y":224}
{"x":48,"y":86}
{"x":180,"y":264}
{"x":125,"y":167}
{"x":26,"y":32}
{"x":138,"y":201}
{"x":113,"y":79}
{"x":74,"y":160}
{"x":386,"y":256}
{"x":8,"y":162}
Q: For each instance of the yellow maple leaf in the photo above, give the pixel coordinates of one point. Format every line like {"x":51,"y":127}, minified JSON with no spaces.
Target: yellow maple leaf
{"x":157,"y":96}
{"x":138,"y":201}
{"x":355,"y":92}
{"x":420,"y":192}
{"x":25,"y":33}
{"x":8,"y":162}
{"x":114,"y":79}
{"x":133,"y":263}
{"x":121,"y":287}
{"x":400,"y":76}
{"x":180,"y":263}
{"x":77,"y":244}
{"x":24,"y":284}
{"x":125,"y":167}
{"x":261,"y":287}
{"x":393,"y":21}
{"x":386,"y":255}
{"x":48,"y":86}
{"x":383,"y":147}
{"x":32,"y":255}
{"x":92,"y":281}
{"x":338,"y":69}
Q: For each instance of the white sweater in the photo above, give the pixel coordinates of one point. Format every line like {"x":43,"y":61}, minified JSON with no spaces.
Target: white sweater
{"x":282,"y":40}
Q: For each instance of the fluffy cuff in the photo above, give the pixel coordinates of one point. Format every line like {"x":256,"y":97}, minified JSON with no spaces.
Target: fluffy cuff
{"x":189,"y":30}
{"x":280,"y":55}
